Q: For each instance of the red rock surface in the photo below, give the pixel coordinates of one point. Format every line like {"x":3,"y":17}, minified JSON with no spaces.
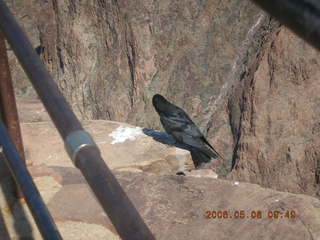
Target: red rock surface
{"x":278,"y":135}
{"x":175,"y":207}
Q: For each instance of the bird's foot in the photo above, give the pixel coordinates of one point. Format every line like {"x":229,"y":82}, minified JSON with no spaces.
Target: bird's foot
{"x":182,"y":173}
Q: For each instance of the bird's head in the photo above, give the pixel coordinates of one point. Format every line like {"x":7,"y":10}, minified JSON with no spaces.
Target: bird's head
{"x":161,"y":104}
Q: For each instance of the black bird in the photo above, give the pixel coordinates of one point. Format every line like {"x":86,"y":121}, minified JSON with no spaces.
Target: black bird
{"x":177,"y":123}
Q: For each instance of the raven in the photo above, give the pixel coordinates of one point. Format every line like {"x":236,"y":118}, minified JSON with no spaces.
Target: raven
{"x":177,"y":123}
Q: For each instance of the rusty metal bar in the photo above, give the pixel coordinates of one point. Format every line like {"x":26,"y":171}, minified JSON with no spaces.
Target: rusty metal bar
{"x":81,"y":148}
{"x":8,"y":100}
{"x":9,"y":112}
{"x":301,"y":16}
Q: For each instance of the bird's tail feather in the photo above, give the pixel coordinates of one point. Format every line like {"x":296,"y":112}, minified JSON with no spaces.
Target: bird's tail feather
{"x":199,"y":157}
{"x":205,"y":140}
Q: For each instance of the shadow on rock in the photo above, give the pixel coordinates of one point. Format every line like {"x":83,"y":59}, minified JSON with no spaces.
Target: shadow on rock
{"x":164,"y":138}
{"x":21,"y":226}
{"x":218,"y":164}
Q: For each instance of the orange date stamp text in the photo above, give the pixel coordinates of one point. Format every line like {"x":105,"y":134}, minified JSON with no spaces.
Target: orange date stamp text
{"x":250,"y":214}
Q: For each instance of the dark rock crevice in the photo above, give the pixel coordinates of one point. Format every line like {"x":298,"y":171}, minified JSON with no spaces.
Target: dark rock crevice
{"x":244,"y":90}
{"x":131,"y":57}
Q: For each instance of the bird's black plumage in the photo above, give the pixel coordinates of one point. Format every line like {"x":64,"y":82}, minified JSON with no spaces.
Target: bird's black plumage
{"x":177,"y":123}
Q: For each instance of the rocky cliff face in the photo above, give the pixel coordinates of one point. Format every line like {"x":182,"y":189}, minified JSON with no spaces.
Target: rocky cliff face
{"x":249,"y":83}
{"x":278,"y":137}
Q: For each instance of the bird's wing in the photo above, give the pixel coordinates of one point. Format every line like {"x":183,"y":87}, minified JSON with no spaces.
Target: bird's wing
{"x":194,"y":142}
{"x":180,"y":121}
{"x":184,"y":130}
{"x":192,"y":130}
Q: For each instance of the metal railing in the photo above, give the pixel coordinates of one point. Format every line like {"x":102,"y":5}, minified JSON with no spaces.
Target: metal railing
{"x":8,"y":107}
{"x":81,"y":148}
{"x":23,"y":178}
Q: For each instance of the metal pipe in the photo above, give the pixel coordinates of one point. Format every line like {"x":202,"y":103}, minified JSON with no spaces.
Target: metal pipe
{"x":109,"y":193}
{"x":59,"y":110}
{"x":301,"y":16}
{"x":33,"y":199}
{"x":8,"y":102}
{"x":111,"y":196}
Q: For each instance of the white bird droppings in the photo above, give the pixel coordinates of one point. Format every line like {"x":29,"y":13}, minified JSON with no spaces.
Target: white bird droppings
{"x":236,"y":183}
{"x":122,"y":134}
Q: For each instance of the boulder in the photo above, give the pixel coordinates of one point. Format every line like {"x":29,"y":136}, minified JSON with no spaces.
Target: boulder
{"x":174,"y":207}
{"x":122,"y":146}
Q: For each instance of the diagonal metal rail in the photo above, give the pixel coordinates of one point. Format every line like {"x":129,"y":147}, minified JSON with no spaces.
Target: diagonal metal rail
{"x":301,"y":16}
{"x":80,"y":146}
{"x":33,"y":199}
